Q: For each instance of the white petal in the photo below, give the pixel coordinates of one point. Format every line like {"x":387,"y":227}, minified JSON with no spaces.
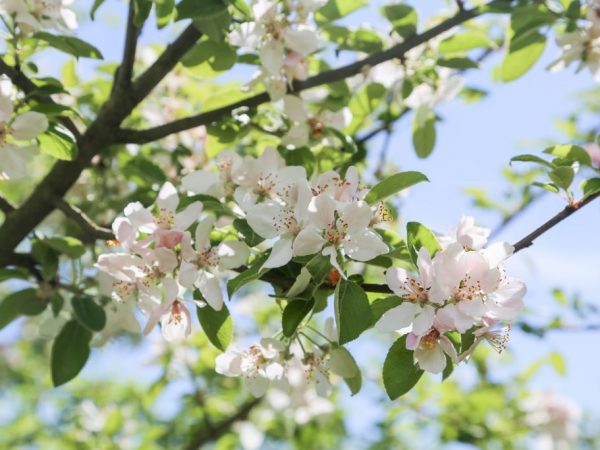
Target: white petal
{"x":168,"y":199}
{"x":232,"y":254}
{"x":271,"y":56}
{"x":356,"y":216}
{"x":205,"y":226}
{"x":29,"y":125}
{"x":423,"y":320}
{"x":397,"y":318}
{"x":228,"y":364}
{"x":6,"y":109}
{"x":257,"y":385}
{"x":364,"y":245}
{"x":281,"y":254}
{"x":302,"y":40}
{"x":166,"y":259}
{"x":209,"y":287}
{"x":497,"y":253}
{"x":188,"y":273}
{"x":263,"y":217}
{"x":308,"y":242}
{"x":188,"y":216}
{"x":295,"y":108}
{"x":321,"y":211}
{"x":432,"y":360}
{"x":201,"y":182}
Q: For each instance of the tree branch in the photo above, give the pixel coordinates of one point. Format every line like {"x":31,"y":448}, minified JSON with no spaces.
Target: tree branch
{"x":28,"y":87}
{"x":155,"y":133}
{"x":527,"y":241}
{"x":5,"y":206}
{"x":124,"y":74}
{"x":99,"y":135}
{"x":86,"y":224}
{"x":147,"y":81}
{"x":204,"y":435}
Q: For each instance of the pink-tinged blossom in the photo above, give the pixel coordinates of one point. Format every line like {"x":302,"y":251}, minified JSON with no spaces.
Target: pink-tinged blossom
{"x":173,"y":315}
{"x":430,"y":349}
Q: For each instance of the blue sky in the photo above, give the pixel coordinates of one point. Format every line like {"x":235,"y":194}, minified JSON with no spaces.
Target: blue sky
{"x":475,"y":142}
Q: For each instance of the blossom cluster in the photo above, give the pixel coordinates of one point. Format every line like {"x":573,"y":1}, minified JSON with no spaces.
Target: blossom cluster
{"x":162,"y":260}
{"x":271,"y":363}
{"x":17,"y":133}
{"x":282,"y":36}
{"x":463,"y":287}
{"x":326,"y":214}
{"x":36,"y":15}
{"x":581,"y":45}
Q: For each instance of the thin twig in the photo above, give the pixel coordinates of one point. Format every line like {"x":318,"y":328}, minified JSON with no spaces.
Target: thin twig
{"x":330,"y":76}
{"x":205,"y":435}
{"x":87,"y":225}
{"x":527,"y":241}
{"x":124,"y":74}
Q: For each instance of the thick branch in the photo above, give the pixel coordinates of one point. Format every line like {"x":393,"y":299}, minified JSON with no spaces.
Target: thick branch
{"x":527,"y":241}
{"x":125,"y":72}
{"x":397,"y":51}
{"x":98,"y":136}
{"x":21,"y":81}
{"x":5,"y":206}
{"x":87,"y":225}
{"x":146,"y":82}
{"x":205,"y":435}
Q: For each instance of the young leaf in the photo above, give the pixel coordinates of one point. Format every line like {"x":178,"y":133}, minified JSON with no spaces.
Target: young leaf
{"x":336,"y":9}
{"x":95,"y":6}
{"x":393,"y":184}
{"x":533,"y":159}
{"x":562,"y":176}
{"x":424,"y":137}
{"x":571,"y":152}
{"x":71,"y":45}
{"x":418,"y":236}
{"x":403,"y":18}
{"x":217,"y":325}
{"x":70,"y":352}
{"x":465,"y":41}
{"x":89,"y":313}
{"x":352,"y":310}
{"x":400,"y":373}
{"x":380,"y":306}
{"x":205,"y":9}
{"x":293,"y":314}
{"x":165,"y":12}
{"x":28,"y":303}
{"x":69,"y":246}
{"x":252,"y":273}
{"x":523,"y":52}
{"x":58,"y":144}
{"x":250,"y":237}
{"x":591,"y":186}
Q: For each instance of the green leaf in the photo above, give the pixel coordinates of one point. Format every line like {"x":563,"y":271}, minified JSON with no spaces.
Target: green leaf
{"x":354,"y":383}
{"x":165,"y":12}
{"x":403,"y":18}
{"x":562,"y":176}
{"x":571,"y":152}
{"x":217,"y":325}
{"x":523,"y":52}
{"x":533,"y":159}
{"x":400,"y":373}
{"x":58,"y":144}
{"x":47,"y":257}
{"x":468,"y":40}
{"x":70,"y":352}
{"x":342,"y":362}
{"x":142,"y":11}
{"x":424,"y":137}
{"x":547,"y":186}
{"x":20,"y":303}
{"x":254,"y":272}
{"x":69,"y":44}
{"x":89,"y":313}
{"x":293,"y":314}
{"x":590,"y":187}
{"x":216,"y":26}
{"x":352,"y":310}
{"x":209,"y":58}
{"x":19,"y":273}
{"x":301,"y":157}
{"x":448,"y":369}
{"x":460,"y":63}
{"x":336,"y":9}
{"x":394,"y":184}
{"x":382,"y":305}
{"x":250,"y":237}
{"x":418,"y":236}
{"x":204,"y":9}
{"x":69,"y":246}
{"x":95,"y":6}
